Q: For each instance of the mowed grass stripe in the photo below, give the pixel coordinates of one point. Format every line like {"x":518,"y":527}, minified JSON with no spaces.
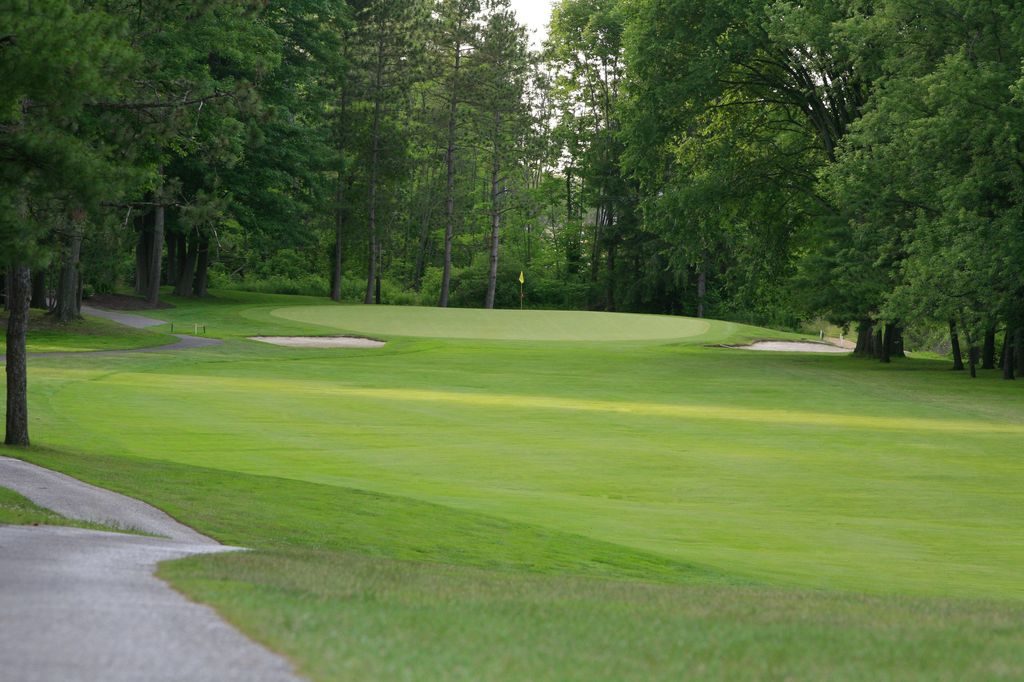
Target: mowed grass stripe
{"x":545,"y":403}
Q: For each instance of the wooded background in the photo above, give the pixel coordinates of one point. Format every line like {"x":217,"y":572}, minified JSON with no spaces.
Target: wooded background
{"x":770,"y":162}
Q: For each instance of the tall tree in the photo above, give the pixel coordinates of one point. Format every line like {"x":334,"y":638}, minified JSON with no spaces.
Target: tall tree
{"x":500,"y":72}
{"x":456,"y":32}
{"x":387,"y":55}
{"x":55,"y":58}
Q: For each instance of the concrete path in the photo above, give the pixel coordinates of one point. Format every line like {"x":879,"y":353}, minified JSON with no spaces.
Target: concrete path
{"x":84,"y":605}
{"x":74,"y":499}
{"x":185,"y":341}
{"x":81,"y":605}
{"x":127,"y":319}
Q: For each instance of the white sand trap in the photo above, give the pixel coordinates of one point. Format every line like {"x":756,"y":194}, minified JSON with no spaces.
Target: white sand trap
{"x":319,"y":341}
{"x":794,"y":347}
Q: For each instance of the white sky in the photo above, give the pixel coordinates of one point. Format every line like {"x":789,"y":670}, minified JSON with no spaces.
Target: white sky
{"x":535,"y":14}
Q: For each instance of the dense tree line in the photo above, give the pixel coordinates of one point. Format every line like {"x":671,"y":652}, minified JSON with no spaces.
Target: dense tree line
{"x":869,"y":152}
{"x":769,"y":161}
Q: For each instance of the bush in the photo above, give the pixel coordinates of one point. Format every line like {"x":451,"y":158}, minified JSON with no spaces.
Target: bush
{"x":304,"y":285}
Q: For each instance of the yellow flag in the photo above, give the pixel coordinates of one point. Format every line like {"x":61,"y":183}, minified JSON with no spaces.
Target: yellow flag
{"x":522,"y":280}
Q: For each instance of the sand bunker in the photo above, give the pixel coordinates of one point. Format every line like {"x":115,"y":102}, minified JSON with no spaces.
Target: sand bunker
{"x":319,"y":341}
{"x":794,"y":347}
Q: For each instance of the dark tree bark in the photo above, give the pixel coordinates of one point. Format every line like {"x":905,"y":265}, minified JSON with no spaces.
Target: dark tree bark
{"x":1018,"y":353}
{"x":973,"y":353}
{"x":449,"y":202}
{"x":39,"y":290}
{"x":702,"y":289}
{"x":5,"y":288}
{"x":66,"y":307}
{"x":1008,"y":359}
{"x":188,"y":270}
{"x":988,"y":349}
{"x":181,"y":251}
{"x":492,"y":272}
{"x":879,"y":346}
{"x":202,"y":268}
{"x":142,"y":255}
{"x":339,"y":233}
{"x":892,"y":342}
{"x":609,"y":291}
{"x":172,"y":259}
{"x":156,"y":253}
{"x":423,"y":246}
{"x":19,"y":293}
{"x":954,"y":339}
{"x":372,"y":288}
{"x":865,"y":332}
{"x":595,"y":246}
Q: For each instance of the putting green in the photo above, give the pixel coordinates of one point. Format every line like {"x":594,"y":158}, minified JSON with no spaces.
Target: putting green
{"x":507,"y":325}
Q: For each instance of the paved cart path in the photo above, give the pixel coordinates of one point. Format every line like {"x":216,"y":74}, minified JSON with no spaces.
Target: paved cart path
{"x":84,"y":605}
{"x":79,"y":604}
{"x":74,"y":499}
{"x":184,"y":342}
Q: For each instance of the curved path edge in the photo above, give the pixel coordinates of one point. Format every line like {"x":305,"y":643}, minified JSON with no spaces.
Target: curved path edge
{"x":184,"y":342}
{"x":79,"y":604}
{"x":75,"y":499}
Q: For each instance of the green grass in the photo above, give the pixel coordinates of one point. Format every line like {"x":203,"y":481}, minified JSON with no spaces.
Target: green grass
{"x":633,"y":507}
{"x":46,"y":335}
{"x":508,"y":325}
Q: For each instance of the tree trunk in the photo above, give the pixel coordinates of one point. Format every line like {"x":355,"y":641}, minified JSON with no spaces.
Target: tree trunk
{"x":865,"y":332}
{"x":1007,"y":357}
{"x":156,"y":254}
{"x":492,"y":273}
{"x":1018,"y":349}
{"x":609,"y":290}
{"x":449,"y":199}
{"x":142,"y":258}
{"x":66,"y":306}
{"x":954,"y":339}
{"x":421,"y":252}
{"x":172,"y":259}
{"x":39,"y":290}
{"x":339,"y":233}
{"x":988,"y":350}
{"x":182,"y":257}
{"x":702,"y":289}
{"x":893,"y":341}
{"x":188,"y":269}
{"x":202,"y":268}
{"x":378,"y":113}
{"x":6,"y":287}
{"x":595,"y":250}
{"x":19,"y":295}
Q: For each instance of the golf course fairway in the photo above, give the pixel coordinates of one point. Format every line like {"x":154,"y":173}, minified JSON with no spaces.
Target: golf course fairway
{"x":549,"y":495}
